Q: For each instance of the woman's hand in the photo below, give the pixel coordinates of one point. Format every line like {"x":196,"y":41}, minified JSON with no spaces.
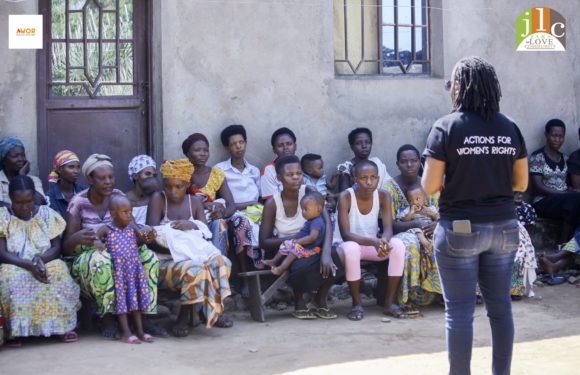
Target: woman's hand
{"x":327,"y":266}
{"x":146,"y":234}
{"x":183,"y":225}
{"x":216,"y":210}
{"x":38,"y":270}
{"x":86,"y":237}
{"x":384,"y":248}
{"x":429,"y":228}
{"x":25,"y":170}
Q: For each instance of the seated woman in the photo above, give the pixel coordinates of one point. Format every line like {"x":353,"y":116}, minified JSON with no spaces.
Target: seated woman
{"x":142,"y":171}
{"x":420,"y":285}
{"x":359,"y":209}
{"x":283,"y":142}
{"x":208,"y":184}
{"x":37,"y":294}
{"x":92,"y":269}
{"x":282,"y":215}
{"x":553,"y":198}
{"x":205,"y":283}
{"x":361,"y":144}
{"x":13,"y":163}
{"x":62,"y":180}
{"x":243,"y":179}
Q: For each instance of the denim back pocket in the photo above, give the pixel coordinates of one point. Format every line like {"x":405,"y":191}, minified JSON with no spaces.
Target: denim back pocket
{"x":462,"y":244}
{"x":510,"y":240}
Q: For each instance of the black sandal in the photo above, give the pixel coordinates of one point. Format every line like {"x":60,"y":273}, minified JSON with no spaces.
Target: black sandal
{"x":223,"y":322}
{"x":356,"y":313}
{"x":180,"y":331}
{"x":396,"y":312}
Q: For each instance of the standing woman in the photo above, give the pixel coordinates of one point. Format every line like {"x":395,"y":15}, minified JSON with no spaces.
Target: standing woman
{"x":480,"y":156}
{"x":13,"y":163}
{"x":66,"y":168}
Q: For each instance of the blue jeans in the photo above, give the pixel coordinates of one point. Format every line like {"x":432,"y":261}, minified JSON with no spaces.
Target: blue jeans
{"x":486,"y":255}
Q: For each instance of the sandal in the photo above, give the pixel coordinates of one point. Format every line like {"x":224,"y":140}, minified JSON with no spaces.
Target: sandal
{"x":223,"y":322}
{"x":411,"y":310}
{"x":110,"y":333}
{"x":69,"y":337}
{"x":304,"y":314}
{"x":146,"y":338}
{"x":356,"y":313}
{"x":396,"y":312}
{"x":131,"y":340}
{"x":154,"y":329}
{"x":180,"y":331}
{"x":324,"y":313}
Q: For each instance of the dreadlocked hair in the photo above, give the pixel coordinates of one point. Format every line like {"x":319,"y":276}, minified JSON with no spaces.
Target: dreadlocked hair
{"x":478,"y":87}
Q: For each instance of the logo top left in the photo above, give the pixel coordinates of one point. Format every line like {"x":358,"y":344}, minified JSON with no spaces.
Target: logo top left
{"x":25,"y":31}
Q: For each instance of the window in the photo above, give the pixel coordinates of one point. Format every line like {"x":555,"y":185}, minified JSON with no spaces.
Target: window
{"x":91,"y":44}
{"x":381,"y":37}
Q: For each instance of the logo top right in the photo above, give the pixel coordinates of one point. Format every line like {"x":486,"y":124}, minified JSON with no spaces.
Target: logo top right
{"x":541,"y":29}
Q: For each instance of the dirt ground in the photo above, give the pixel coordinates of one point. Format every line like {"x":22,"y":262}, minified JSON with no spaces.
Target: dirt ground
{"x":547,"y":342}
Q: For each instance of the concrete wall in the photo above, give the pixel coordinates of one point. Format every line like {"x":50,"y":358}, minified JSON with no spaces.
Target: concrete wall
{"x":18,"y":84}
{"x":268,"y":64}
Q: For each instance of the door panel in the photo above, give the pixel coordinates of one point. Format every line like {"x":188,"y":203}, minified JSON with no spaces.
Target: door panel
{"x":93,"y":80}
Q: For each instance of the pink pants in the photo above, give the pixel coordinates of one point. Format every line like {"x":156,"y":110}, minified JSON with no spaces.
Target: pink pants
{"x":354,"y":253}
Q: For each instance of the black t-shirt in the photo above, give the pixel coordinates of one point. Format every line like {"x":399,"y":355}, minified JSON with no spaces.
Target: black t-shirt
{"x":574,"y":163}
{"x":479,"y":157}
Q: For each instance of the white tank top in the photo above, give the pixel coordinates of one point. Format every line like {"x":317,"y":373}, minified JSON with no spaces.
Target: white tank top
{"x":364,"y":225}
{"x":284,"y":225}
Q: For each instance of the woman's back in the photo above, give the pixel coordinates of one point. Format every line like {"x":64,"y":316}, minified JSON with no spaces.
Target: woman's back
{"x":479,"y":157}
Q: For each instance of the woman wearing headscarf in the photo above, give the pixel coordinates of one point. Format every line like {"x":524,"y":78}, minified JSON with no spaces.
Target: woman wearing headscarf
{"x":143,"y":173}
{"x":12,"y":163}
{"x":63,"y":185}
{"x":92,"y":269}
{"x":198,"y":282}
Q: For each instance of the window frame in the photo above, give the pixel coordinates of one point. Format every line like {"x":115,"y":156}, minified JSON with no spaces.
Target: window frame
{"x":380,"y":61}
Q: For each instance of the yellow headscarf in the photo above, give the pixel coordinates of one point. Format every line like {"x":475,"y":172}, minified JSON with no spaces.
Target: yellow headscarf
{"x":182,"y":169}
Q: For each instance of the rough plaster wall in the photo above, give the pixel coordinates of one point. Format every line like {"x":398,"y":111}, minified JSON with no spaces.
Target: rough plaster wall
{"x":267,"y":64}
{"x":18,"y":84}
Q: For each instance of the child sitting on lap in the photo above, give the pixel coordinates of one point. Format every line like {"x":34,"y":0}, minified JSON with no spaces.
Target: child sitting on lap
{"x":310,"y":237}
{"x":314,"y":177}
{"x":131,"y":288}
{"x":418,"y":209}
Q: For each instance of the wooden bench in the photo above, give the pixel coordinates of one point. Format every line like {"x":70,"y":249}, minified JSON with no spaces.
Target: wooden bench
{"x":257,"y":298}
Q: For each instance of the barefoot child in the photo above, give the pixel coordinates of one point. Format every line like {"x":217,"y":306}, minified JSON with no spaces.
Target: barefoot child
{"x":310,"y":238}
{"x":131,"y":288}
{"x":418,"y":209}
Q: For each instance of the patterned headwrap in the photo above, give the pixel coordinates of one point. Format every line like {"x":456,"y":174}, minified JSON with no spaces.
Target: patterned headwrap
{"x":181,"y":169}
{"x":191,"y":140}
{"x":140,"y":162}
{"x":61,"y":158}
{"x":7,"y":144}
{"x":95,"y":161}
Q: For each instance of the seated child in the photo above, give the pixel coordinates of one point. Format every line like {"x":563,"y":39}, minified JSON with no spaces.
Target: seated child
{"x":310,"y":237}
{"x":418,"y":209}
{"x":314,"y":177}
{"x":131,"y":288}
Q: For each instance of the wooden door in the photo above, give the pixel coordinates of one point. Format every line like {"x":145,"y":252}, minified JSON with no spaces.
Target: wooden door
{"x":93,"y":76}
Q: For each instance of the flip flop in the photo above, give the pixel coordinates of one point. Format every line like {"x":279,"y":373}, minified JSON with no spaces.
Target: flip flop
{"x":154,"y":329}
{"x":356,"y":313}
{"x":111,"y":333}
{"x":69,"y":337}
{"x":146,"y":338}
{"x":304,"y":314}
{"x":324,"y":313}
{"x":555,"y":280}
{"x":399,"y":313}
{"x":131,"y":340}
{"x":410,"y":310}
{"x":223,"y":322}
{"x":180,"y":331}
